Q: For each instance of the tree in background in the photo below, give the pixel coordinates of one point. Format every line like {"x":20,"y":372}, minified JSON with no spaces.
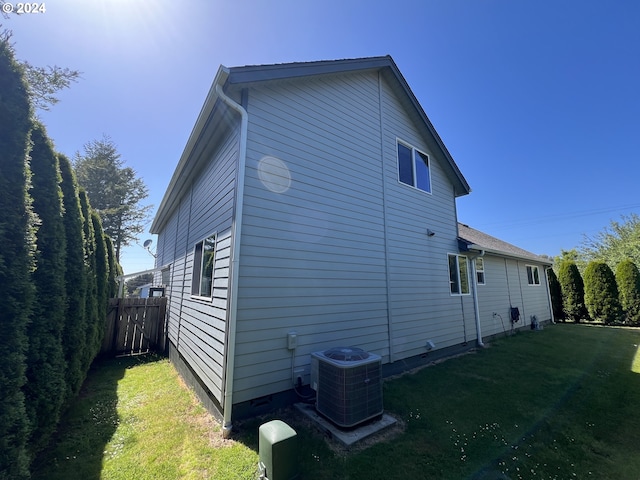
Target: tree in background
{"x":601,"y":293}
{"x":43,"y":83}
{"x":45,"y":390}
{"x":628,"y":280}
{"x":76,"y":280}
{"x":17,"y":241}
{"x":572,"y":291}
{"x":620,"y":241}
{"x":572,"y":255}
{"x":555,"y":291}
{"x":114,"y":191}
{"x":137,"y":282}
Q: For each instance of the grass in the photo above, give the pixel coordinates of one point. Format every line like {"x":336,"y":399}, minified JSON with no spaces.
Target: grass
{"x":554,"y":404}
{"x":135,"y":419}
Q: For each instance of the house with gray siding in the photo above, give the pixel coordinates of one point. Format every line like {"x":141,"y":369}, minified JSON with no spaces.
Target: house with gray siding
{"x":314,"y":206}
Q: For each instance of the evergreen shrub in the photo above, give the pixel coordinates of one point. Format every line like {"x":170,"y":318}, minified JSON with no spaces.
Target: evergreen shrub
{"x":601,"y":293}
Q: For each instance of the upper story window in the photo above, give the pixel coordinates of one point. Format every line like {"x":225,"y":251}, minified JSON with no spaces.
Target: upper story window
{"x":458,"y":275}
{"x":413,"y":167}
{"x":480,"y":270}
{"x":533,"y":277}
{"x":203,"y":259}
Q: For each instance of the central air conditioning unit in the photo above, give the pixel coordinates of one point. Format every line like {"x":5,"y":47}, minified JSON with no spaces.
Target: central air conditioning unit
{"x":348,"y":385}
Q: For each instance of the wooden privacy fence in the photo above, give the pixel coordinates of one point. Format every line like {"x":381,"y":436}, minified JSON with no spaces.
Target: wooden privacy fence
{"x":135,"y":326}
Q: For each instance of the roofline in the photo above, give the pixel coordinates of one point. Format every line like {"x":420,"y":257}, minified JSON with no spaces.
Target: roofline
{"x":479,"y":248}
{"x":262,"y":73}
{"x":281,"y":71}
{"x":258,"y":73}
{"x":205,"y":112}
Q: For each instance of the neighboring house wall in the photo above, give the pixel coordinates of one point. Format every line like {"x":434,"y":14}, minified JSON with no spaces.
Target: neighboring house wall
{"x":506,"y":285}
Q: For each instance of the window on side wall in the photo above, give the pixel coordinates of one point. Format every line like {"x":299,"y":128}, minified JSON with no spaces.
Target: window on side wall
{"x":458,"y":275}
{"x":165,"y":275}
{"x":414,"y":168}
{"x":480,"y":271}
{"x":533,"y":276}
{"x":203,"y":260}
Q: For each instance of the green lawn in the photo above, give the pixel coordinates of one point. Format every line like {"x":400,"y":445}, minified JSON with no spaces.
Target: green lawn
{"x":559,"y":403}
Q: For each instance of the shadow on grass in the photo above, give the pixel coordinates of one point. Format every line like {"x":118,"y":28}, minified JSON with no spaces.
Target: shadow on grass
{"x":78,"y":447}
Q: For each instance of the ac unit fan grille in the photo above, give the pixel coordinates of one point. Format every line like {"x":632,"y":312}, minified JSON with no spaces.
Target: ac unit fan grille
{"x":349,"y":395}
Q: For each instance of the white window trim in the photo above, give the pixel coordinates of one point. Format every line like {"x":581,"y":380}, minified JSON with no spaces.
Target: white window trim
{"x":532,"y":267}
{"x":214,"y":235}
{"x":413,"y":165}
{"x":458,"y":256}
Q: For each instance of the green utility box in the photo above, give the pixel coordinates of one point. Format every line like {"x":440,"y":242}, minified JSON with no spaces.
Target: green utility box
{"x":278,"y":450}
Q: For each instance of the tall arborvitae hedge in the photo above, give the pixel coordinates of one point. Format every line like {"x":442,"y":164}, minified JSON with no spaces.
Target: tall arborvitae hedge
{"x":91,"y":292}
{"x":102,"y":279}
{"x":628,"y":280}
{"x":556,"y":295}
{"x":572,"y":291}
{"x":17,"y":244}
{"x":115,"y":270}
{"x":601,"y":293}
{"x":76,"y":282}
{"x":45,"y":389}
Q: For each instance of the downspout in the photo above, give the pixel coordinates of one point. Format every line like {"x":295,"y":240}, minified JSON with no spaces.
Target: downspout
{"x":387,"y":254}
{"x":227,"y":405}
{"x":475,"y":298}
{"x":546,"y":277}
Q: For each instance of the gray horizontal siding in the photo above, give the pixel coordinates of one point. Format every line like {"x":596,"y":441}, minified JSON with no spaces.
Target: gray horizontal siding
{"x":505,"y":286}
{"x":421,"y":305}
{"x":312,"y":257}
{"x":315,"y":259}
{"x":196,"y":326}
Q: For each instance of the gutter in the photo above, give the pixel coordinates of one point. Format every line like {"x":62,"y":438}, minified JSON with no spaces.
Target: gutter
{"x":475,"y":297}
{"x":502,"y":253}
{"x":227,"y":404}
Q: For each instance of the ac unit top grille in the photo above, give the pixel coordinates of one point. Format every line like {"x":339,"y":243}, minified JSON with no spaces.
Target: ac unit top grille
{"x":346,"y":354}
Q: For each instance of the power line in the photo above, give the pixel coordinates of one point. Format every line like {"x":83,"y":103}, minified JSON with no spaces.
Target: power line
{"x":556,"y":217}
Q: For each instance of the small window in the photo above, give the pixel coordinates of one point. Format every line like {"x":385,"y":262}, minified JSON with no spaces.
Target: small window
{"x":533,"y":277}
{"x":480,"y":271}
{"x":413,"y":168}
{"x":458,"y":275}
{"x":203,"y":259}
{"x":165,"y":276}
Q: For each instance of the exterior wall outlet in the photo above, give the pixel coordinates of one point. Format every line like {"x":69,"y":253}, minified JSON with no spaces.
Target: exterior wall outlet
{"x":292,"y":340}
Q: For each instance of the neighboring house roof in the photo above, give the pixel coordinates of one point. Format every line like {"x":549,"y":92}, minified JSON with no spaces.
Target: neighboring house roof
{"x":240,"y":76}
{"x":472,"y":239}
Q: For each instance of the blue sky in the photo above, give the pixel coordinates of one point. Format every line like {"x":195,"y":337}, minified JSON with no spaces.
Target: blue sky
{"x":537,"y":101}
